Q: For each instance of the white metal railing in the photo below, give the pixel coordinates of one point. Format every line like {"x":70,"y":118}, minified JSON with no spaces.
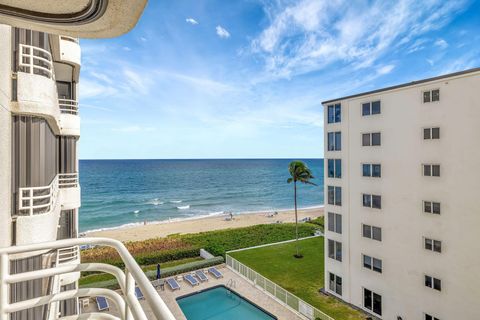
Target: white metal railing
{"x":35,"y":60}
{"x":37,"y":200}
{"x":71,"y":39}
{"x":127,"y":304}
{"x":69,"y":254}
{"x":68,"y":106}
{"x":68,"y":180}
{"x":278,"y":293}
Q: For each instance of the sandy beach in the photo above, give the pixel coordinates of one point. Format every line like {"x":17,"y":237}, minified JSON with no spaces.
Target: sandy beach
{"x":162,"y":229}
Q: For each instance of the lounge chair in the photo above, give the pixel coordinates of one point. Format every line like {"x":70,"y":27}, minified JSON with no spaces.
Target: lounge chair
{"x":191,"y":279}
{"x":139,"y":293}
{"x":217,"y":274}
{"x":158,"y":283}
{"x":102,"y":303}
{"x":200,"y":275}
{"x":173,"y":284}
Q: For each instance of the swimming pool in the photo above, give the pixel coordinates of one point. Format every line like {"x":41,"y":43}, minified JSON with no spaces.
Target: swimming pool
{"x":220,"y":303}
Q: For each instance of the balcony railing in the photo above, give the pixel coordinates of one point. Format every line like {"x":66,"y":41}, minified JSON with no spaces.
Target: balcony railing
{"x":68,"y":180}
{"x":71,"y":39}
{"x":37,"y":200}
{"x":68,"y":106}
{"x":127,"y":304}
{"x":35,"y":60}
{"x":69,"y":254}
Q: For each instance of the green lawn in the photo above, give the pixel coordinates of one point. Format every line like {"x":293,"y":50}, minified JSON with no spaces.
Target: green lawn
{"x":302,"y":277}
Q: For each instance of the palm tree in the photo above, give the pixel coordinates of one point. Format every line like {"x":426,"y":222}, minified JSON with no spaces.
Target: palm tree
{"x":301,"y":173}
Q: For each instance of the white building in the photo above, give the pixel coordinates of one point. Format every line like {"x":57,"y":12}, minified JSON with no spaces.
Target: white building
{"x":402,"y":204}
{"x":39,"y":188}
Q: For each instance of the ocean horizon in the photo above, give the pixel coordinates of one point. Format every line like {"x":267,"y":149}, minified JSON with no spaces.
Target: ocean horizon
{"x":122,"y":193}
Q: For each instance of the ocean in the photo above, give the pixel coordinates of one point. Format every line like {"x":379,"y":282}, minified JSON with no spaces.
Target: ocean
{"x":120,"y":193}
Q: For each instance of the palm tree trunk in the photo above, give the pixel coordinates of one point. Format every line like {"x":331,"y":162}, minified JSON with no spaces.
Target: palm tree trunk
{"x":296,"y":216}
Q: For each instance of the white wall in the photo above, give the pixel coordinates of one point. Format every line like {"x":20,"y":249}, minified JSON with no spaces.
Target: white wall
{"x":402,"y":186}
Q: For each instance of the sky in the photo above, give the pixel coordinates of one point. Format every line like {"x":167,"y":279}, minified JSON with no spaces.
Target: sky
{"x":245,"y":79}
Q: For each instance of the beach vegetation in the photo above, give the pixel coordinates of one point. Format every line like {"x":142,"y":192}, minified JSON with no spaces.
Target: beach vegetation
{"x":299,"y":172}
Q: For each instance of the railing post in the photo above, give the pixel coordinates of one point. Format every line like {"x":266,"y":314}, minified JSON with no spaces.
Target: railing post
{"x":129,"y":288}
{"x":3,"y":286}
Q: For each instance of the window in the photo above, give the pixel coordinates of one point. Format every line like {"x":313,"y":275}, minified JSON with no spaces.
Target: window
{"x":334,"y":112}
{"x":372,"y":201}
{"x":371,"y":139}
{"x":433,"y":245}
{"x":429,"y":317}
{"x":335,"y":283}
{"x":334,"y":141}
{"x":335,"y":195}
{"x":371,"y":170}
{"x":431,"y":170}
{"x":431,"y":207}
{"x":372,"y":263}
{"x":372,"y":232}
{"x":372,"y":301}
{"x":431,"y":95}
{"x":431,"y":133}
{"x":335,"y":250}
{"x":334,"y":168}
{"x":370,"y":108}
{"x":335,"y":222}
{"x":433,"y":283}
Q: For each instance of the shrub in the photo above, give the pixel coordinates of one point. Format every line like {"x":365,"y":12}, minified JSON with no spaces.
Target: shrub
{"x":320,"y":222}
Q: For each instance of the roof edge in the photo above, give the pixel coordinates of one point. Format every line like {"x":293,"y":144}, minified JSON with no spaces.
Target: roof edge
{"x":403,"y":85}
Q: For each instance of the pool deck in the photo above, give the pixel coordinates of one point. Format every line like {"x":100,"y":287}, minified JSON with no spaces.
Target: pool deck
{"x":242,"y":287}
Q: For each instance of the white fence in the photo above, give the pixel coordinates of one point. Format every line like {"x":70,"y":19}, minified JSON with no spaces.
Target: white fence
{"x":37,"y":200}
{"x":278,"y":293}
{"x":35,"y":60}
{"x":68,"y":180}
{"x":68,"y":106}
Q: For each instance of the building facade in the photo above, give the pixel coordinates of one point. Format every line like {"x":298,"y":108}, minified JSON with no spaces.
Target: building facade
{"x":401,"y":205}
{"x":39,"y":130}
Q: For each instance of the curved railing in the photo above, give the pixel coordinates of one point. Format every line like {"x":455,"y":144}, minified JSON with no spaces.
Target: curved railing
{"x":71,"y":39}
{"x":127,"y":305}
{"x":68,"y":180}
{"x":37,"y":200}
{"x":35,"y":60}
{"x":68,"y":106}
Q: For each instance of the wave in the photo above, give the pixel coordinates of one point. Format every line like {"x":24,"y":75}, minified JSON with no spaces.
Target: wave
{"x":175,"y":201}
{"x":183,"y":207}
{"x":196,"y":217}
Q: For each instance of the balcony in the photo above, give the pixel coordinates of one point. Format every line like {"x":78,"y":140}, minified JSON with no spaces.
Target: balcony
{"x":36,"y":91}
{"x":69,"y":119}
{"x":66,"y":50}
{"x":38,"y":213}
{"x":69,"y":190}
{"x":125,"y":300}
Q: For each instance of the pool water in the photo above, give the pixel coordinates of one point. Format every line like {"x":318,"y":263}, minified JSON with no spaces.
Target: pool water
{"x":220,"y":303}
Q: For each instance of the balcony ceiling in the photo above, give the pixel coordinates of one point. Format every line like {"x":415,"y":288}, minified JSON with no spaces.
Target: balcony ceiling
{"x":76,"y":18}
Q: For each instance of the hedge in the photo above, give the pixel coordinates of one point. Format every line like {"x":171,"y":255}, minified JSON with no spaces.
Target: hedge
{"x":166,"y":272}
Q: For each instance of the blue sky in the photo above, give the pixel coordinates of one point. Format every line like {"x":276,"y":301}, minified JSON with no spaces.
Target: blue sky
{"x":245,"y":79}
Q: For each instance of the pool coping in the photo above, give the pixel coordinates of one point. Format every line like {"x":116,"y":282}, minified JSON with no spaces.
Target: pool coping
{"x":231,"y":290}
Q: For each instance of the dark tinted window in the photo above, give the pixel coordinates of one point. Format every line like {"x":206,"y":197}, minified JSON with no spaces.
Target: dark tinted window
{"x":426,"y":96}
{"x":376,"y":170}
{"x":436,"y":95}
{"x":331,"y":249}
{"x":338,"y":113}
{"x":437,"y":284}
{"x":331,"y":222}
{"x":338,"y":253}
{"x":436,"y":170}
{"x":331,"y":141}
{"x":338,"y":141}
{"x":367,"y":299}
{"x":338,"y":196}
{"x":377,"y":233}
{"x":375,"y":107}
{"x":427,"y":206}
{"x":331,"y":114}
{"x":377,"y":303}
{"x":367,"y":200}
{"x":377,"y":265}
{"x":338,"y":223}
{"x":436,"y":207}
{"x":367,"y":231}
{"x":376,"y":139}
{"x":338,"y":168}
{"x":331,"y":195}
{"x":331,"y":168}
{"x":426,"y":133}
{"x":376,"y":202}
{"x":366,"y":139}
{"x":366,"y":170}
{"x":435,"y":133}
{"x":427,"y":170}
{"x":366,"y":109}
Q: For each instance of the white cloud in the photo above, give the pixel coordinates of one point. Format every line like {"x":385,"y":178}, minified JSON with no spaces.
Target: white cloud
{"x":385,"y":69}
{"x":143,"y":39}
{"x":313,"y":34}
{"x":127,"y":48}
{"x":442,"y":44}
{"x":222,"y":32}
{"x":191,"y":21}
{"x":139,"y":82}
